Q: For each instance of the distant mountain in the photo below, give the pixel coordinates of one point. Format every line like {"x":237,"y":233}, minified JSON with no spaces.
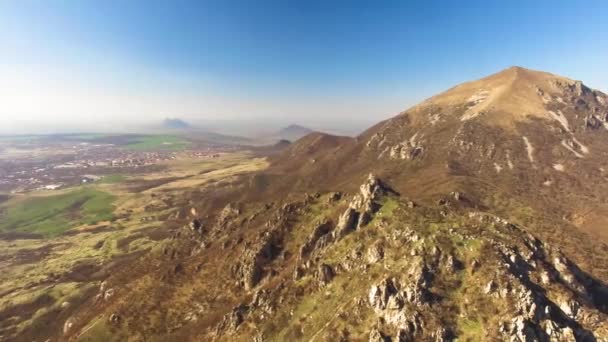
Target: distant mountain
{"x":293,"y":132}
{"x":174,"y":123}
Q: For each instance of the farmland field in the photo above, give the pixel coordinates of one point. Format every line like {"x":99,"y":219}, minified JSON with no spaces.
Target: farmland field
{"x":52,"y":215}
{"x":155,"y":142}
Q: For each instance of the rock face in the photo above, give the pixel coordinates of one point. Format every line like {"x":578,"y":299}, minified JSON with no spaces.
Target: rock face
{"x":347,"y":223}
{"x":196,"y":225}
{"x":318,"y":239}
{"x":325,"y":274}
{"x":375,"y":253}
{"x":249,"y":269}
{"x":232,"y":320}
{"x":363,"y":206}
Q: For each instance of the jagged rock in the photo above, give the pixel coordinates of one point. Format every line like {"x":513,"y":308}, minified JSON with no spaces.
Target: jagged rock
{"x":298,"y":273}
{"x":346,"y":223}
{"x":369,"y":192}
{"x":334,"y":197}
{"x":556,"y":333}
{"x":405,"y":335}
{"x":409,"y":149}
{"x":379,"y":294}
{"x":262,"y":301}
{"x":376,"y":336}
{"x":522,"y":330}
{"x":593,"y":122}
{"x":570,"y":308}
{"x":249,"y":269}
{"x":312,"y":244}
{"x":233,"y":319}
{"x":114,"y":318}
{"x":567,"y":273}
{"x":229,"y":211}
{"x":67,"y":326}
{"x":108,"y":294}
{"x":453,"y":264}
{"x":196,"y":225}
{"x":444,"y":334}
{"x":364,"y":218}
{"x":490,"y":287}
{"x":325,"y":274}
{"x":375,"y":253}
{"x":475,"y":265}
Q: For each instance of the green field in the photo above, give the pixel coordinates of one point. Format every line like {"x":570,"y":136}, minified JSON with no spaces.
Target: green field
{"x":112,"y":179}
{"x":85,"y":136}
{"x":52,"y":215}
{"x":155,"y":142}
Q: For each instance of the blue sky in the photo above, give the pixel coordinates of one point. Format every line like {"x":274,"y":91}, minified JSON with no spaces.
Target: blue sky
{"x":314,"y":62}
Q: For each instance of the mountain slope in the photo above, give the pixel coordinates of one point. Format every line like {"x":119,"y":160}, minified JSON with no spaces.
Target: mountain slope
{"x":513,"y":131}
{"x":473,"y":215}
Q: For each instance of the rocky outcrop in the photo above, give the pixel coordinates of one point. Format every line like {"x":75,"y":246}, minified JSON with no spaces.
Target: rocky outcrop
{"x":232,"y":320}
{"x":363,"y":206}
{"x":316,"y":239}
{"x":325,"y":274}
{"x":377,"y":336}
{"x":196,"y":225}
{"x":263,"y":301}
{"x":346,"y":223}
{"x":375,"y":253}
{"x":249,"y":270}
{"x":229,"y":212}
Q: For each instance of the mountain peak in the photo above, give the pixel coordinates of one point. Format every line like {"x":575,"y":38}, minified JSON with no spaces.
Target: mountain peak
{"x":509,"y":96}
{"x":175,"y":123}
{"x":294,"y":132}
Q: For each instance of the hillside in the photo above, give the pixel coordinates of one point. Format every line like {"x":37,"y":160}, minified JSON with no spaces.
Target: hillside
{"x":477,"y":215}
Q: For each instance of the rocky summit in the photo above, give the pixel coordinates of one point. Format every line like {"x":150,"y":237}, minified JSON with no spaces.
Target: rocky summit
{"x":477,"y":215}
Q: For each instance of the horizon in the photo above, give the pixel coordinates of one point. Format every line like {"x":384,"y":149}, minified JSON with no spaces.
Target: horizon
{"x":125,"y":67}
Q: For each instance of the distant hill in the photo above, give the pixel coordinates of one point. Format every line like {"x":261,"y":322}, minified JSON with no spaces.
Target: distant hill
{"x":293,"y":132}
{"x":174,"y":123}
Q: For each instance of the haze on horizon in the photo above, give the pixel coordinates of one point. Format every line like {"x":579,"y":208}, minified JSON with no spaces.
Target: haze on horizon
{"x":119,"y":66}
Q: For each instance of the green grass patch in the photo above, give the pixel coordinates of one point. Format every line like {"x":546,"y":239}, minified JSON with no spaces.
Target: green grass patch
{"x":52,"y":215}
{"x":470,"y":330}
{"x":156,"y":142}
{"x":111,"y":179}
{"x":389,"y":204}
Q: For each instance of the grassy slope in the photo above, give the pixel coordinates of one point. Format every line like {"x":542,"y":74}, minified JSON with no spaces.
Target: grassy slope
{"x":52,"y":215}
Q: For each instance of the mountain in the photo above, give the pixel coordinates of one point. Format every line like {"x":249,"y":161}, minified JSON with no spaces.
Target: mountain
{"x":174,"y":123}
{"x":293,"y":132}
{"x":516,"y":130}
{"x":477,"y":215}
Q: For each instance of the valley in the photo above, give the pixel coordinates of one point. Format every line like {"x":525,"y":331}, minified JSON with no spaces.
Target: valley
{"x":57,"y":245}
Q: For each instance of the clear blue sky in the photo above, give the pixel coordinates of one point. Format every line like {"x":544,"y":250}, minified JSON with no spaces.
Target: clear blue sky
{"x":301,"y":61}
